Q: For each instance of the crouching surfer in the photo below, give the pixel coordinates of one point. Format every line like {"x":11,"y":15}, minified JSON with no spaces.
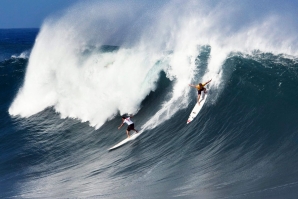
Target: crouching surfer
{"x":130,"y":124}
{"x":200,"y":87}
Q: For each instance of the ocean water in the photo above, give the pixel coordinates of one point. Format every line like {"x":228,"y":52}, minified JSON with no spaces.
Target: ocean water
{"x":64,"y":87}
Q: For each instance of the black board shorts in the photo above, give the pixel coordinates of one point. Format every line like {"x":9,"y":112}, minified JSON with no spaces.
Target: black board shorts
{"x":199,"y":91}
{"x":131,"y":127}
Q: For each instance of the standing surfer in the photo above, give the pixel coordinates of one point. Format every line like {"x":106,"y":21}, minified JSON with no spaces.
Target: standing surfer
{"x":200,"y":87}
{"x":130,"y":124}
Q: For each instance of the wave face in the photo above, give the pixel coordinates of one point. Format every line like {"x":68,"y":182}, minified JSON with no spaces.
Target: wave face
{"x":63,"y":99}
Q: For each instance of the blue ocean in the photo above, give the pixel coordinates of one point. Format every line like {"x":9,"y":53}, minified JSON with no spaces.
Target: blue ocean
{"x":65,"y":85}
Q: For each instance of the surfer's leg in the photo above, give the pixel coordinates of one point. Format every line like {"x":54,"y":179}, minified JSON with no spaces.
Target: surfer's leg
{"x":127,"y":131}
{"x":132,"y":127}
{"x":199,"y":95}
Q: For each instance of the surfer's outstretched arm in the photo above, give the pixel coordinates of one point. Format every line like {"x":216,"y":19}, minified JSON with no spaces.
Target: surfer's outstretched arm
{"x":120,"y":126}
{"x":208,"y":82}
{"x":192,"y":85}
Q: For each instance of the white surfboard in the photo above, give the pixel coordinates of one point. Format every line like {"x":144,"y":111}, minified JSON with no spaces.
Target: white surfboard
{"x":195,"y":111}
{"x":132,"y":137}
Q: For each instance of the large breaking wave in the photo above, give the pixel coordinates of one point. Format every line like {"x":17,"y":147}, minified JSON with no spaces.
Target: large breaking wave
{"x":72,"y":70}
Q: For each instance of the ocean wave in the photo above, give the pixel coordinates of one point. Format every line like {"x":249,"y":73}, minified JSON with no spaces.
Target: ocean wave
{"x":23,"y":55}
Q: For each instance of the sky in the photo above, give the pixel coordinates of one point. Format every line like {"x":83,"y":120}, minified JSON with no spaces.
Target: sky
{"x":32,"y":13}
{"x":29,"y":13}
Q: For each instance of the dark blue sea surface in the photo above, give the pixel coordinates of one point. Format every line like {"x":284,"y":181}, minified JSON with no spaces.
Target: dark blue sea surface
{"x":242,"y":145}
